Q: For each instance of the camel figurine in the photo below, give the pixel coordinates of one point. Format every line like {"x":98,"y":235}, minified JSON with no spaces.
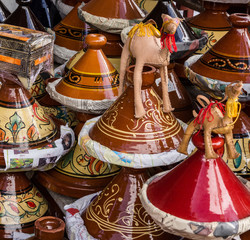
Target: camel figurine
{"x":149,"y":46}
{"x":212,"y":119}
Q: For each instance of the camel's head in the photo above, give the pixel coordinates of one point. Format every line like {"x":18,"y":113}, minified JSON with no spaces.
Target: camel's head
{"x":233,"y":90}
{"x":169,"y":24}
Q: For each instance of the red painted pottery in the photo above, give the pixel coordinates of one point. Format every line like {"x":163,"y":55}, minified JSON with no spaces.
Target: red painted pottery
{"x":214,"y":21}
{"x":24,"y":17}
{"x":178,"y":95}
{"x":205,"y":191}
{"x":113,"y":9}
{"x":229,"y":59}
{"x":117,"y":213}
{"x":70,"y":32}
{"x":93,"y":76}
{"x":4,"y":12}
{"x":21,"y":205}
{"x":23,"y":122}
{"x":49,"y":228}
{"x":119,"y":130}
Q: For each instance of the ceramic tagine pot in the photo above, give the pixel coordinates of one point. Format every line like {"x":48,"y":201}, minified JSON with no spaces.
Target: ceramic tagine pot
{"x":24,"y":17}
{"x":29,"y":140}
{"x":187,"y":41}
{"x":49,"y":228}
{"x":178,"y":95}
{"x":4,"y":12}
{"x":89,"y":87}
{"x":206,"y":201}
{"x":109,"y":15}
{"x":214,"y":21}
{"x":70,"y":33}
{"x":227,"y":61}
{"x":136,"y":144}
{"x":70,"y":2}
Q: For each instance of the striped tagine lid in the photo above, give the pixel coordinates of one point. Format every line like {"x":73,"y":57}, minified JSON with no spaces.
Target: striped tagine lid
{"x":93,"y":76}
{"x":23,"y":122}
{"x":90,"y":86}
{"x":229,"y":59}
{"x":203,"y":198}
{"x":70,"y":32}
{"x":119,"y":130}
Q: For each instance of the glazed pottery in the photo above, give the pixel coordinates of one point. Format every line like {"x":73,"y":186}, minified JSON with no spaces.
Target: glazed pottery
{"x":214,"y":21}
{"x":70,"y":32}
{"x":146,"y":5}
{"x":112,"y":9}
{"x":206,"y":201}
{"x":78,"y":174}
{"x":228,"y":60}
{"x":41,"y":11}
{"x":4,"y":12}
{"x":178,"y":95}
{"x":241,"y":138}
{"x":49,"y":228}
{"x":155,"y":133}
{"x":186,"y":39}
{"x":54,"y":108}
{"x":91,"y":84}
{"x":21,"y":204}
{"x":70,"y":2}
{"x":24,"y":17}
{"x":117,"y":212}
{"x":55,"y":16}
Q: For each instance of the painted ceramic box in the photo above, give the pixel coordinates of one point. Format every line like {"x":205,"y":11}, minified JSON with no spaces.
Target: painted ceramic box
{"x":25,"y":52}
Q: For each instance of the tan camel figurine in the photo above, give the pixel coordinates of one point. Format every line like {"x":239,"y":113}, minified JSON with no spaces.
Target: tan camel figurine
{"x":149,"y":46}
{"x":212,"y":119}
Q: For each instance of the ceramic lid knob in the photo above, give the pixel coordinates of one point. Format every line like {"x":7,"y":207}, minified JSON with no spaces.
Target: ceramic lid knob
{"x":24,"y":2}
{"x":148,"y":73}
{"x":240,"y":20}
{"x":49,"y":228}
{"x":96,"y":41}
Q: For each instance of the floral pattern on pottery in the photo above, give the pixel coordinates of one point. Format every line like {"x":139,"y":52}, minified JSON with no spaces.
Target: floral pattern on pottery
{"x":24,"y":207}
{"x":77,"y":163}
{"x":17,"y":127}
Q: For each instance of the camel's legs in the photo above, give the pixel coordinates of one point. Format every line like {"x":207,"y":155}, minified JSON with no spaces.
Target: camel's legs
{"x":125,"y":58}
{"x":231,"y":151}
{"x":139,"y":109}
{"x":165,"y":97}
{"x":209,"y":151}
{"x":184,"y":143}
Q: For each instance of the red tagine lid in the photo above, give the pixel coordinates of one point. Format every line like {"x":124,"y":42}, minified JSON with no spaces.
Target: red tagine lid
{"x":229,"y":59}
{"x":124,"y":9}
{"x":200,"y":189}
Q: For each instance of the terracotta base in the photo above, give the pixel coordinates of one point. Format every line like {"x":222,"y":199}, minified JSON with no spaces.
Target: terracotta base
{"x":117,"y":213}
{"x":77,"y":174}
{"x":20,"y":206}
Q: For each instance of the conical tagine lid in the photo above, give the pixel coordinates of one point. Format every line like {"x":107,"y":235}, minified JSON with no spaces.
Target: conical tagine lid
{"x":204,"y":199}
{"x":4,"y":12}
{"x":22,"y":119}
{"x":229,"y":59}
{"x":70,"y":32}
{"x":93,"y":78}
{"x":123,"y":9}
{"x":120,"y":131}
{"x":24,"y":17}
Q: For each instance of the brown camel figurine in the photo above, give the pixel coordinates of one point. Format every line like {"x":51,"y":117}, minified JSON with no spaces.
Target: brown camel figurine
{"x":212,"y":119}
{"x":149,"y":46}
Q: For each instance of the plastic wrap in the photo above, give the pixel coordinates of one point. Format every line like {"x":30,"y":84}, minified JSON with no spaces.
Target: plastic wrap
{"x":25,"y":52}
{"x":105,"y":154}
